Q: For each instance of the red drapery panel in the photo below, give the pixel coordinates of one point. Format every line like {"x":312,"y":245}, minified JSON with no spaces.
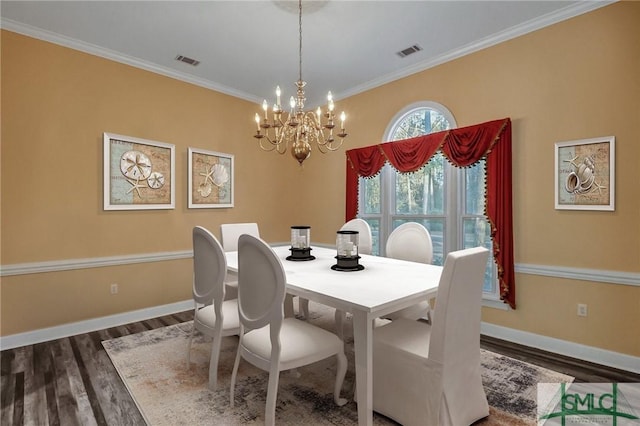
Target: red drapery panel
{"x":462,"y":147}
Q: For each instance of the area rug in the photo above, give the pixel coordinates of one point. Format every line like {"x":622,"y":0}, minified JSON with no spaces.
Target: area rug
{"x":152,"y":365}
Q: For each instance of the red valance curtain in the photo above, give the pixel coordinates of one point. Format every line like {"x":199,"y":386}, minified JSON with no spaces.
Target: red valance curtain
{"x":462,"y":147}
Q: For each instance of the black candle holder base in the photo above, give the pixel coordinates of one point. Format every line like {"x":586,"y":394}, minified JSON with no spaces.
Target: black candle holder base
{"x":300,"y":254}
{"x":347,"y":264}
{"x":350,"y":269}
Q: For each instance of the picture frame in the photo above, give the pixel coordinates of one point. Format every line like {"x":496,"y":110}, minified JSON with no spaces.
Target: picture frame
{"x":585,"y":174}
{"x":211,"y":179}
{"x":139,"y":174}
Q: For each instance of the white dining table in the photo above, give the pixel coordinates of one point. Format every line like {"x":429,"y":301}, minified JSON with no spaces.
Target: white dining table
{"x":384,"y":285}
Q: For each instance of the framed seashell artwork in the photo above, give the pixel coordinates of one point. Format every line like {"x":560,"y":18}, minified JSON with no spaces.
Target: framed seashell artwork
{"x":210,"y":179}
{"x":585,"y":174}
{"x":139,"y":174}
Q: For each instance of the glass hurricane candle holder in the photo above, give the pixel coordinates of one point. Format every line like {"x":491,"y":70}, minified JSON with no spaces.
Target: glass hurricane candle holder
{"x":347,"y":251}
{"x":300,"y":243}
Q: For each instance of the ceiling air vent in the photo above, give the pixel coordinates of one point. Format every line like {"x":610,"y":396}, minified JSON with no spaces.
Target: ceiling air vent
{"x":187,"y":60}
{"x":409,"y":50}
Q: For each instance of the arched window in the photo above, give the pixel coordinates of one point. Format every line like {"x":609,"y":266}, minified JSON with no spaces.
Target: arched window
{"x":448,"y":201}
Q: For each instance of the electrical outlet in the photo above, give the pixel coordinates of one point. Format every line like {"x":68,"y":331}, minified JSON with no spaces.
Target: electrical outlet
{"x":114,"y":288}
{"x":582,"y":310}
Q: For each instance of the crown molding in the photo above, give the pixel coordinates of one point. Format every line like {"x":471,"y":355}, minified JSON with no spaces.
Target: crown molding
{"x":568,"y":12}
{"x":92,"y":49}
{"x":560,"y":15}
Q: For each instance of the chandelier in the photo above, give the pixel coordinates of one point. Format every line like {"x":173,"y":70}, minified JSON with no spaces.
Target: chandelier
{"x":300,"y":128}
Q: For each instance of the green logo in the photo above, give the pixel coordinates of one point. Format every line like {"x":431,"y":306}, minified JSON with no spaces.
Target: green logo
{"x":565,"y":404}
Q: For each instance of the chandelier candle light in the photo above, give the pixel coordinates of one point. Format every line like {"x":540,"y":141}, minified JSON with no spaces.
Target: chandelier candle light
{"x":300,"y":128}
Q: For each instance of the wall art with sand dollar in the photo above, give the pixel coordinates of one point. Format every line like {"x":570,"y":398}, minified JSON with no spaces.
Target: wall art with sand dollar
{"x":138,"y":173}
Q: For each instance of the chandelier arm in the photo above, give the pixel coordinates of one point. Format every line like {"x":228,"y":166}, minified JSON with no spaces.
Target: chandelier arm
{"x":332,"y":147}
{"x":329,"y":144}
{"x":281,"y":148}
{"x":267,"y":148}
{"x":271,"y":145}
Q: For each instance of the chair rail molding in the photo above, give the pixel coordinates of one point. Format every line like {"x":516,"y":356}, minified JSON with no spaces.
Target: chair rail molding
{"x":94,"y":262}
{"x":582,"y":274}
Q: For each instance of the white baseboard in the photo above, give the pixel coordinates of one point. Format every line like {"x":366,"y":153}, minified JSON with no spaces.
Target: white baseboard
{"x":563,"y":347}
{"x":80,"y":327}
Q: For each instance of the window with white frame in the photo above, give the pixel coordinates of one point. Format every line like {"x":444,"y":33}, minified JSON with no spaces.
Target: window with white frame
{"x":447,"y":200}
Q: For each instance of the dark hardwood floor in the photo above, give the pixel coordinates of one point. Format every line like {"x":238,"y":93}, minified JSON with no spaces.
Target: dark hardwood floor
{"x":583,"y":371}
{"x":71,"y":381}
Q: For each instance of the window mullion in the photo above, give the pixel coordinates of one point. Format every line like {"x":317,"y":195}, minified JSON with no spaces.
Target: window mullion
{"x":388,"y":205}
{"x":452,"y":222}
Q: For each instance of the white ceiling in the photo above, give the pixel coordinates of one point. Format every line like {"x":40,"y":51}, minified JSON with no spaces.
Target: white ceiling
{"x":246,"y":48}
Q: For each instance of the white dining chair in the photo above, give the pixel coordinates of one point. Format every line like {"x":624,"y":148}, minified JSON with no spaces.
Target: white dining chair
{"x":411,"y":241}
{"x":268,"y":340}
{"x":365,"y":238}
{"x":429,"y":374}
{"x":365,"y":246}
{"x":230,"y":232}
{"x":213,"y":315}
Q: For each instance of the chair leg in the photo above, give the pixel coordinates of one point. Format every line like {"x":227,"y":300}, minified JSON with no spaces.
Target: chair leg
{"x":231,"y":291}
{"x":193,"y":329}
{"x":288,"y":306}
{"x":429,"y":315}
{"x":234,"y":373}
{"x":303,"y":307}
{"x":213,"y":363}
{"x":341,"y":372}
{"x":272,"y":395}
{"x":339,"y":319}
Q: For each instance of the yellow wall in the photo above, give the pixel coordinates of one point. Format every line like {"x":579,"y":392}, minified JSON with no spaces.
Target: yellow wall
{"x":574,"y":80}
{"x":56,"y":104}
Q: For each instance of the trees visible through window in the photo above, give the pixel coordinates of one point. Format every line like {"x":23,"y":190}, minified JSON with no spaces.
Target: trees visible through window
{"x":447,"y":200}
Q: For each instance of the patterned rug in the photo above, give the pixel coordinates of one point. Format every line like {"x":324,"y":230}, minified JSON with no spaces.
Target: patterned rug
{"x":153,"y":366}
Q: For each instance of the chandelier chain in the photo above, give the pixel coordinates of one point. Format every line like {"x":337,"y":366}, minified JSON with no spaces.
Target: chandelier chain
{"x":300,"y":40}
